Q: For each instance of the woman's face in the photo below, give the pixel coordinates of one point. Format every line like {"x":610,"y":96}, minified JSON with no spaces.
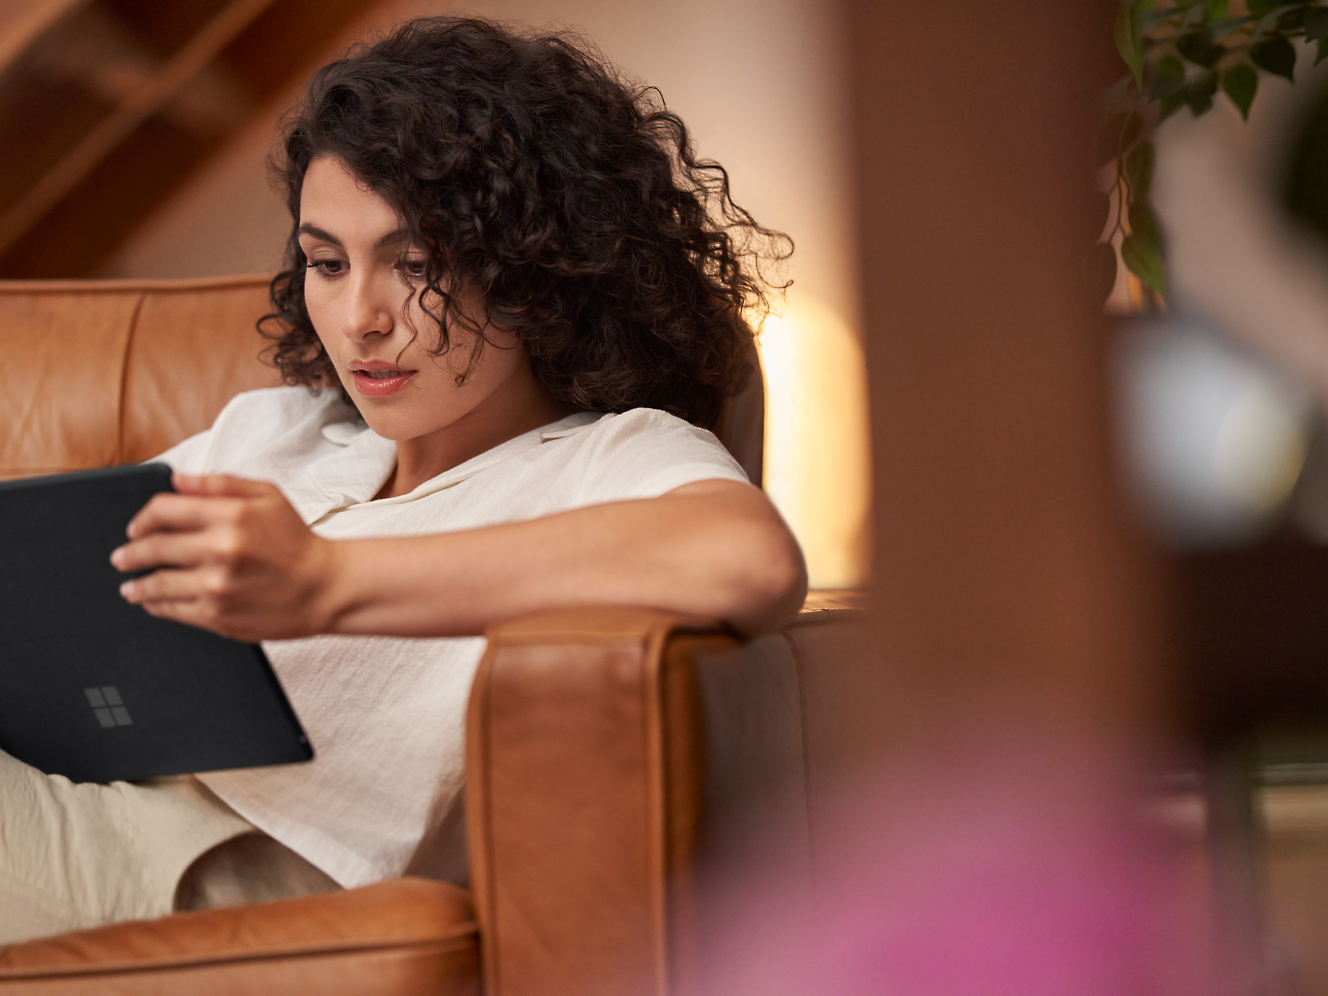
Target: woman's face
{"x":361,"y":273}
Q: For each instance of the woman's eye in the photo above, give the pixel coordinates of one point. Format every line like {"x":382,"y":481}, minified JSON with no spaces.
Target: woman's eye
{"x":328,"y":267}
{"x":414,"y":269}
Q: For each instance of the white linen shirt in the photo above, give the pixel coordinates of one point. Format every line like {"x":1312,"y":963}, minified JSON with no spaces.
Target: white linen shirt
{"x":386,"y":714}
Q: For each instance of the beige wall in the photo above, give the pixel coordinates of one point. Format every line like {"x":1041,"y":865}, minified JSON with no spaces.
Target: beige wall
{"x":757,"y":81}
{"x":759,"y":84}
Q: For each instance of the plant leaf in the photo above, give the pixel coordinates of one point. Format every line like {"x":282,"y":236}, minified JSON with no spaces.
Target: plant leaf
{"x":1227,"y":25}
{"x":1101,"y":264}
{"x":1198,"y":47}
{"x":1155,"y":19}
{"x":1241,"y":83}
{"x":1143,"y":221}
{"x":1291,"y":20}
{"x":1117,"y":136}
{"x":1128,"y":42}
{"x":1165,"y":77}
{"x":1276,"y":56}
{"x":1139,"y":169}
{"x":1200,"y":92}
{"x":1171,"y":105}
{"x":1316,"y":23}
{"x":1217,"y":8}
{"x":1269,"y":19}
{"x":1143,"y":258}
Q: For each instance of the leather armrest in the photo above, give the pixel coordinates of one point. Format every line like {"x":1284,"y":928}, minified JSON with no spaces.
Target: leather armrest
{"x":583,"y":787}
{"x":403,"y":936}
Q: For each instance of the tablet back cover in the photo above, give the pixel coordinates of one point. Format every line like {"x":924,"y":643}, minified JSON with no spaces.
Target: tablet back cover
{"x":96,"y":689}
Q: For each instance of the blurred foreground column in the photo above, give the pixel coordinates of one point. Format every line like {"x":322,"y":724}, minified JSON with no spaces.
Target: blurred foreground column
{"x":1003,"y":701}
{"x":1005,"y":577}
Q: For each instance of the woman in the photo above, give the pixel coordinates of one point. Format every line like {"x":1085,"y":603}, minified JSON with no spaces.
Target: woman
{"x":513,"y":290}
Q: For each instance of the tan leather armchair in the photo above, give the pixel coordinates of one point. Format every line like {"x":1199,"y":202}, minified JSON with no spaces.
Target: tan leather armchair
{"x":607,"y":750}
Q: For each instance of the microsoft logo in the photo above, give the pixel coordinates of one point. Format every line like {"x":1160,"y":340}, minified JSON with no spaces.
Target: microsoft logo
{"x":108,"y":706}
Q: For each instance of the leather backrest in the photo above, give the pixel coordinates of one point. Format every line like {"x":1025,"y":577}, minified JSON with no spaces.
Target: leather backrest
{"x":209,"y":335}
{"x":99,"y":372}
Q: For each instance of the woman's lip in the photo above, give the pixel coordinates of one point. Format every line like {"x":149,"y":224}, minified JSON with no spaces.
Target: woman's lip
{"x":380,"y":387}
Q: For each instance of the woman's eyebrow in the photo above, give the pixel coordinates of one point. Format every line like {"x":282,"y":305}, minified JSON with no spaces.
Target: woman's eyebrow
{"x":318,"y":233}
{"x":391,"y":238}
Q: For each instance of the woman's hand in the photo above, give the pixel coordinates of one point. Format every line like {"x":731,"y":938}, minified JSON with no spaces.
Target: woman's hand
{"x":231,"y":556}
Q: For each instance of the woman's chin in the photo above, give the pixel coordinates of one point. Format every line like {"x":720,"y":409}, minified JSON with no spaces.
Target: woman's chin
{"x":400,"y":426}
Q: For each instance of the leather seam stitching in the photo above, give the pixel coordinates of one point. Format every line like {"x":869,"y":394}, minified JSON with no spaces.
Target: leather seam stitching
{"x":121,"y":416}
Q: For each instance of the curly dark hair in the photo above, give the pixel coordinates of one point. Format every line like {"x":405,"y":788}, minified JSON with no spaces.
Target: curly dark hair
{"x":526,"y":167}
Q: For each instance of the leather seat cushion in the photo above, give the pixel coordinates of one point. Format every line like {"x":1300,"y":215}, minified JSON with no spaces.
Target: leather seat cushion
{"x":408,"y":935}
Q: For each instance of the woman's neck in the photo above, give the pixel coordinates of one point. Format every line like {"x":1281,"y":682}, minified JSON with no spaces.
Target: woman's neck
{"x":499,"y":418}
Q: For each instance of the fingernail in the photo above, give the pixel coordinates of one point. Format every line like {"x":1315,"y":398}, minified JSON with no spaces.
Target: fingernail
{"x":117,"y":556}
{"x":127,"y":591}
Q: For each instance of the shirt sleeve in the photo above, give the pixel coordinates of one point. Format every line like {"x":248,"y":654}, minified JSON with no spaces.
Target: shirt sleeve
{"x":645,"y":453}
{"x":188,"y":456}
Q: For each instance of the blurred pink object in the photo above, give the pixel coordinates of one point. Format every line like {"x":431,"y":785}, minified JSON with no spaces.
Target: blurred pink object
{"x":1003,"y":886}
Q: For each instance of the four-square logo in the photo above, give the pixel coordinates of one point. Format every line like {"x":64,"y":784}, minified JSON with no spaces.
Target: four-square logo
{"x":108,"y":707}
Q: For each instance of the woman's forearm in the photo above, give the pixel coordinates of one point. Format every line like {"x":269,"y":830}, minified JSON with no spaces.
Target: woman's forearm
{"x":232,"y":556}
{"x":714,"y":548}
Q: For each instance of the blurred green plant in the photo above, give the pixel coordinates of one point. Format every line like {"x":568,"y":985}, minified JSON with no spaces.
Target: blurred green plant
{"x":1180,"y":54}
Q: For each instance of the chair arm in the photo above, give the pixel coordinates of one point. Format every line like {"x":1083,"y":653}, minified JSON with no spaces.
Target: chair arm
{"x":583,"y":790}
{"x":403,"y":936}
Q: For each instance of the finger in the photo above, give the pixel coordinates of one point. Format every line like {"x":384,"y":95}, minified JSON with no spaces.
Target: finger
{"x":166,"y":549}
{"x":168,"y":512}
{"x":220,"y":485}
{"x":169,"y":584}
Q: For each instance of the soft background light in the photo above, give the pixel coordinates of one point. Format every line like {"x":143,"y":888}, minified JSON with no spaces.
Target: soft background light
{"x":817,"y":450}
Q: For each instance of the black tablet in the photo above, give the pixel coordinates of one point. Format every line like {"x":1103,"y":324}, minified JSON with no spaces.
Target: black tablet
{"x":96,"y":689}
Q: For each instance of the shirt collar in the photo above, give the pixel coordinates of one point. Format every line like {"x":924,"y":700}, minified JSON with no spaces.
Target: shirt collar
{"x":355,"y":472}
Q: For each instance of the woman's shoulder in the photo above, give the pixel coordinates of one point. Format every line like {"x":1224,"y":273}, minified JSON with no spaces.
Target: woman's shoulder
{"x":648,"y":423}
{"x":644,"y":452}
{"x":653,"y":429}
{"x":259,"y":431}
{"x":273,"y":407}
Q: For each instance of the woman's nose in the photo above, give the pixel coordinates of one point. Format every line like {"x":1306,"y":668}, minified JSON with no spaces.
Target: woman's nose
{"x":367,"y":308}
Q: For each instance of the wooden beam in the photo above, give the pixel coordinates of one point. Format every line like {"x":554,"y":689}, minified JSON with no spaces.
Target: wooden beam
{"x":24,"y":21}
{"x":157,"y":91}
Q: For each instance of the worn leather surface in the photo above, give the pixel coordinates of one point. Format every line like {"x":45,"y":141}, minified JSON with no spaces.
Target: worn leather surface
{"x":408,"y":936}
{"x":210,"y":330}
{"x":60,"y":382}
{"x":572,"y":760}
{"x":104,"y":372}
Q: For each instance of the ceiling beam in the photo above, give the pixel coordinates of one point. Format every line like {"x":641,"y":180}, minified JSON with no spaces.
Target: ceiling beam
{"x":155,"y":92}
{"x":23,"y":21}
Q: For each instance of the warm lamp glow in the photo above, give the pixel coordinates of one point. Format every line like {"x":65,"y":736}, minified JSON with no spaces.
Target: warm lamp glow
{"x":817,"y":450}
